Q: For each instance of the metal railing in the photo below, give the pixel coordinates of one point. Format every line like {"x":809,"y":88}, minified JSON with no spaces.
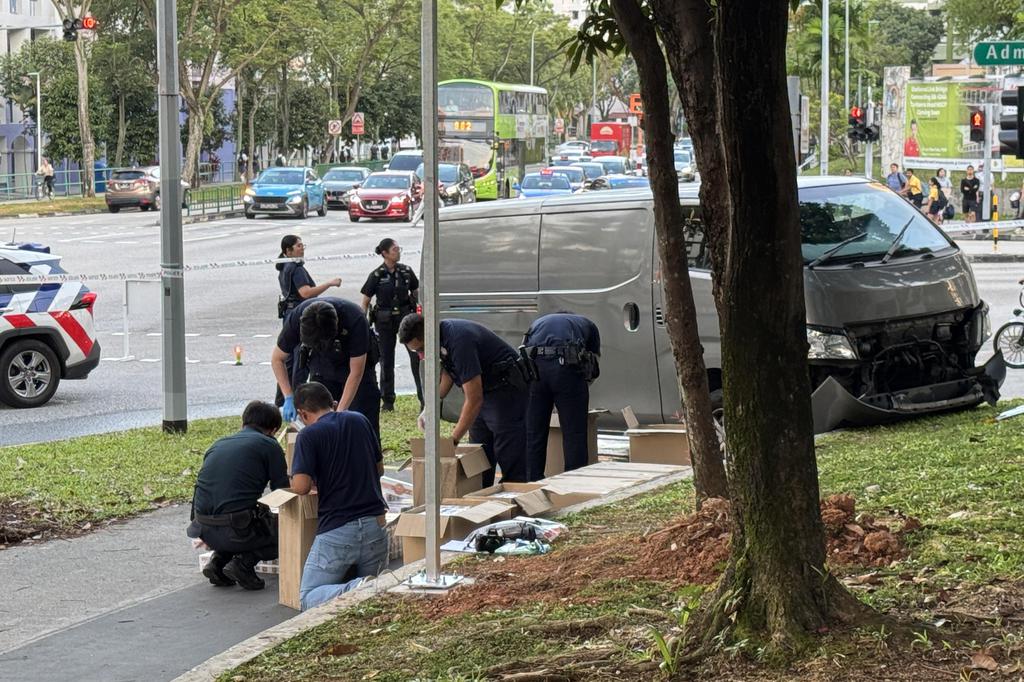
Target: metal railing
{"x":209,"y":200}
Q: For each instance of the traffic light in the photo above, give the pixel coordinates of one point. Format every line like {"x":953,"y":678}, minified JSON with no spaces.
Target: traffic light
{"x":73,"y":26}
{"x":977,"y":122}
{"x":1011,"y":126}
{"x":856,"y":121}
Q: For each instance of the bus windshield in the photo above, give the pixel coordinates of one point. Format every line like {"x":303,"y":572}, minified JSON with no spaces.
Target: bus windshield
{"x":476,"y":155}
{"x":465,"y":99}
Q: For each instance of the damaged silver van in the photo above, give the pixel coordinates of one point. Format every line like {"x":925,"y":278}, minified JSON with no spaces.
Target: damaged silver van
{"x":894,"y":319}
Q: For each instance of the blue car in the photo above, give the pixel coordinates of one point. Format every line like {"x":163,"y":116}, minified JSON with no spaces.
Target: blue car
{"x":284,"y":190}
{"x":544,"y":184}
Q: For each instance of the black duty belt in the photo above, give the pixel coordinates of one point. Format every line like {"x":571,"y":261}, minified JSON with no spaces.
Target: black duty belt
{"x":550,"y":351}
{"x":239,"y":519}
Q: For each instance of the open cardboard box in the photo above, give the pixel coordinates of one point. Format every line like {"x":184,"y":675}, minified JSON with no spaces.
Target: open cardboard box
{"x":656,"y":443}
{"x":555,"y":463}
{"x":461,"y":473}
{"x":528,"y":497}
{"x":458,"y":519}
{"x":296,"y":529}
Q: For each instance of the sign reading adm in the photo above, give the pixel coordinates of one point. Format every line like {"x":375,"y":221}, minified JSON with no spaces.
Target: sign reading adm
{"x":999,"y":53}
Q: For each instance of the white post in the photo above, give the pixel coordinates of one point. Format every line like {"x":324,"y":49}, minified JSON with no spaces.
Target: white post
{"x":986,"y":183}
{"x":869,"y":151}
{"x":39,"y":121}
{"x":532,"y":36}
{"x":124,"y":321}
{"x":846,"y":61}
{"x":823,"y":134}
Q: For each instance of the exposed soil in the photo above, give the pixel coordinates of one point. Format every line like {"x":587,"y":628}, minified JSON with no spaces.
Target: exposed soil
{"x":21,"y":523}
{"x":853,"y":539}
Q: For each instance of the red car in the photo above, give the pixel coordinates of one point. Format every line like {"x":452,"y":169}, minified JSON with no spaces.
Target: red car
{"x":387,"y":194}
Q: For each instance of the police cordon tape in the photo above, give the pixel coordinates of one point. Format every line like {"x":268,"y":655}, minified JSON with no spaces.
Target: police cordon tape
{"x":961,"y":226}
{"x":175,"y":273}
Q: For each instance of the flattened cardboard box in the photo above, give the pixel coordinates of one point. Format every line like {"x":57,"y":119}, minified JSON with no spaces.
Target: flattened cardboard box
{"x":458,"y":519}
{"x":555,"y":463}
{"x":528,"y":497}
{"x":565,"y":490}
{"x":656,"y":443}
{"x":296,"y":529}
{"x":462,"y":469}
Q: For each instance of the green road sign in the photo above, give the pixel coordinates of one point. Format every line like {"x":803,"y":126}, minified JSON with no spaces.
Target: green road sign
{"x":999,"y":53}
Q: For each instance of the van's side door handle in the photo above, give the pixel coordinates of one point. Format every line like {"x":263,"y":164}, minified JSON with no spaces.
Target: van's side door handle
{"x":631,"y":316}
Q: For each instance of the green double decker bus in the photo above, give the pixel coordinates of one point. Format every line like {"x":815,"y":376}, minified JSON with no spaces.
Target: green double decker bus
{"x":494,"y":128}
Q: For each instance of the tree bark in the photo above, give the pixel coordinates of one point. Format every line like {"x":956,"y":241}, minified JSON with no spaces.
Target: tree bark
{"x":196,"y":119}
{"x":680,"y":312}
{"x":84,"y":125}
{"x":122,"y":132}
{"x":240,"y":125}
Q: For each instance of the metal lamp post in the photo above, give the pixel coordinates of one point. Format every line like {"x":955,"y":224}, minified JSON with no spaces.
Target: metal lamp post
{"x":39,"y":121}
{"x":532,"y":36}
{"x":823,"y":138}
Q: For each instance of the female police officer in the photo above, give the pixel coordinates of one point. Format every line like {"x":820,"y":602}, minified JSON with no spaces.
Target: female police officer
{"x":394,"y":285}
{"x":296,"y":285}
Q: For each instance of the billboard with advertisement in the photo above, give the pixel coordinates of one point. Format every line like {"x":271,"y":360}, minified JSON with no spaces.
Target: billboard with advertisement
{"x":937,"y":124}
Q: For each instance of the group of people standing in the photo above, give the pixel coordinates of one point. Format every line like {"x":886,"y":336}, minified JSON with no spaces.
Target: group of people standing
{"x":324,"y":363}
{"x":937,"y":203}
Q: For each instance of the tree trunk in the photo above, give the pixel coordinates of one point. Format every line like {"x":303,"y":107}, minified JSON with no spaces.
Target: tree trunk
{"x":122,"y":132}
{"x":240,"y":125}
{"x":252,"y":135}
{"x":84,"y":125}
{"x":196,"y":117}
{"x":680,"y":312}
{"x":728,"y":63}
{"x":286,"y":114}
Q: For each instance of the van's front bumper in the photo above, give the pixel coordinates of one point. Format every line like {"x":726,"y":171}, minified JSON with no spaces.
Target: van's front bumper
{"x":833,"y":406}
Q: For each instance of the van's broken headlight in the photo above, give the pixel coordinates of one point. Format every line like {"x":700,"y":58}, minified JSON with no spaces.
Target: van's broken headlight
{"x":827,"y":345}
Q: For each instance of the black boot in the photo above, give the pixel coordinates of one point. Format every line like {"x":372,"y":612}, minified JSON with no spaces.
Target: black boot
{"x":242,"y":569}
{"x":214,"y":570}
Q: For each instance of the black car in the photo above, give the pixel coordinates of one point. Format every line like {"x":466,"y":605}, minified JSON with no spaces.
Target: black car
{"x":454,"y":182}
{"x":339,"y":181}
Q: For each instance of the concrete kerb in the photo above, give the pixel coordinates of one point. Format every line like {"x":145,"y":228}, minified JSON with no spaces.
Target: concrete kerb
{"x":996,"y":258}
{"x":244,"y":652}
{"x":200,"y":218}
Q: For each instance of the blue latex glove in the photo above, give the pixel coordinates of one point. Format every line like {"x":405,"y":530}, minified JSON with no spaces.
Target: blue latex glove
{"x":288,"y":409}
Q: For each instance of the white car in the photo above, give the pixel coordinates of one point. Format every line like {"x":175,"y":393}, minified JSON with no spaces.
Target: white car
{"x":578,"y":146}
{"x":46,"y":330}
{"x":684,"y":165}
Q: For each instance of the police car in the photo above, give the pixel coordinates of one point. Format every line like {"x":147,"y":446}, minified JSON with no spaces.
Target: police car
{"x":46,"y":330}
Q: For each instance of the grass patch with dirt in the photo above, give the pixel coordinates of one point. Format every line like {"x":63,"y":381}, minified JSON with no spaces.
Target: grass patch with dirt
{"x":609,"y":601}
{"x":60,"y":204}
{"x":65,"y":487}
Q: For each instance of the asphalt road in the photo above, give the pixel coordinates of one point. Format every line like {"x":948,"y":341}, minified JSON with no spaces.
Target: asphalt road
{"x":224,"y":308}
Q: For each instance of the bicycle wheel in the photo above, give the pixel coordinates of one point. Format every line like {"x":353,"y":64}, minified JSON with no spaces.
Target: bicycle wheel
{"x":1010,"y":340}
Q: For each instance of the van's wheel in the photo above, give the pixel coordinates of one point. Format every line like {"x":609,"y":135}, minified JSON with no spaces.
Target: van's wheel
{"x":29,"y":374}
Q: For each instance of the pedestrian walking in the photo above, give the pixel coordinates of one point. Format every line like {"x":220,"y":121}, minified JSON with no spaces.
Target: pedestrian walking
{"x":946,"y":185}
{"x":913,"y":191}
{"x":339,"y":453}
{"x":393,"y":288}
{"x":225,"y":514}
{"x":46,"y":173}
{"x":243,"y":166}
{"x":895,"y":180}
{"x":565,"y":349}
{"x":969,"y":187}
{"x":336,"y":348}
{"x":494,"y":380}
{"x":937,"y":201}
{"x":280,"y":160}
{"x":296,"y":285}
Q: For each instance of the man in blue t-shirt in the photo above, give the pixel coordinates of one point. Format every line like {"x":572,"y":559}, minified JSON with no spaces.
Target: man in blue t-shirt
{"x":336,"y":349}
{"x":339,"y":452}
{"x":489,"y":372}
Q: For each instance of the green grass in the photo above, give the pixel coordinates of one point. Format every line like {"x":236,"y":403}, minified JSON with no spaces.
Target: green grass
{"x":115,"y":475}
{"x":68,"y":204}
{"x":929,"y":468}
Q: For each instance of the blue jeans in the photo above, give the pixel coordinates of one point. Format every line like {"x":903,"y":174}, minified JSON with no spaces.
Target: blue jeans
{"x":361,"y":543}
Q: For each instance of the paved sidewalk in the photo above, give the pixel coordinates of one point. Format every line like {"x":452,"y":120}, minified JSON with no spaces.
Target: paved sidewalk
{"x":124,"y":603}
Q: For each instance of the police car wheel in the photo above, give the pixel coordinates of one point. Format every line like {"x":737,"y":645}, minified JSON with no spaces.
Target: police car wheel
{"x":322,"y":211}
{"x":304,"y":211}
{"x":29,"y":374}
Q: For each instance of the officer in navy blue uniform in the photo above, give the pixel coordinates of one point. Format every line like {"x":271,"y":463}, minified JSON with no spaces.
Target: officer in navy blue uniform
{"x":393,"y":288}
{"x":564,"y":349}
{"x":494,"y":380}
{"x":337,"y":349}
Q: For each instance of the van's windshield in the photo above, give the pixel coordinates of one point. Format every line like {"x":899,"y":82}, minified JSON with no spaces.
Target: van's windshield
{"x":830,"y":215}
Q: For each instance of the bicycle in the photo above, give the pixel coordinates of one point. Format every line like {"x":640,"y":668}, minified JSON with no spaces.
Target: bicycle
{"x":1009,"y":338}
{"x":44,"y":190}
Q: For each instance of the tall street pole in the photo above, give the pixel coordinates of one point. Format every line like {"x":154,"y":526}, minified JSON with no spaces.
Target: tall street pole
{"x":846,"y":61}
{"x":532,"y":36}
{"x":39,"y":121}
{"x":431,"y":340}
{"x":823,"y":135}
{"x":172,"y":253}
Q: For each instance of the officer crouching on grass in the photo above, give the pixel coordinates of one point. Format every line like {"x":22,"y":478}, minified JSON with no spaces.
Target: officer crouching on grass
{"x":337,"y":349}
{"x":494,"y":379}
{"x":564,"y":349}
{"x":236,"y":469}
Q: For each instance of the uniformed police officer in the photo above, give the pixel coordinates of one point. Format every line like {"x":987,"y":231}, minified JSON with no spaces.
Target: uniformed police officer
{"x":337,"y":348}
{"x":395,"y":287}
{"x":494,"y":380}
{"x":296,"y":285}
{"x":564,"y":348}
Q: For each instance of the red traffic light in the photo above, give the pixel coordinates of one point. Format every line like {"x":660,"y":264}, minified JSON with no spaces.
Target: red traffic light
{"x":856,"y":112}
{"x":89,"y":23}
{"x":977,"y":119}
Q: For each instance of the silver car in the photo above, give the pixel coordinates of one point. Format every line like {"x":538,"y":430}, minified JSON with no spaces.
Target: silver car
{"x":894,"y":319}
{"x":339,"y":182}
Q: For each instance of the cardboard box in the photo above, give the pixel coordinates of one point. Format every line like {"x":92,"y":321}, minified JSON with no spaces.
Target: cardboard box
{"x":555,"y":463}
{"x":530,"y":499}
{"x":296,"y":529}
{"x":656,"y":443}
{"x":461,"y":473}
{"x":458,"y":519}
{"x":566,"y":489}
{"x":290,"y":437}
